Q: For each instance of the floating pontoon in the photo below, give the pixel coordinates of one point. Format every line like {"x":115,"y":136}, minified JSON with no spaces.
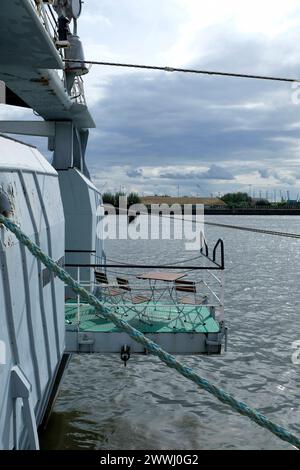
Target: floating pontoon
{"x":179,"y":307}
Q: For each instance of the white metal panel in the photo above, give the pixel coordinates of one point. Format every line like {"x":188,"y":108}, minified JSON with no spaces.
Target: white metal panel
{"x":23,"y":36}
{"x":81,"y":200}
{"x":110,"y":343}
{"x":88,"y":182}
{"x":31,"y":311}
{"x":17,"y":156}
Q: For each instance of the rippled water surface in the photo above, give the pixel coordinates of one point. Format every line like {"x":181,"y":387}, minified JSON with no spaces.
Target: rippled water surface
{"x":103,"y":405}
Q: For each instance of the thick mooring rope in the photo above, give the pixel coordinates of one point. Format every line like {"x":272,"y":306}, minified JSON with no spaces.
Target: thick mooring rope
{"x":152,"y":347}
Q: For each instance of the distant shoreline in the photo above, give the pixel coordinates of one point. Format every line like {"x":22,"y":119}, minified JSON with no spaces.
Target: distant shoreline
{"x":246,"y":211}
{"x":227,"y":211}
{"x":249,"y":211}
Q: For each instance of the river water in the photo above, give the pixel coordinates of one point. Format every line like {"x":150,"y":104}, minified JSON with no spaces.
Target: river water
{"x":103,"y":405}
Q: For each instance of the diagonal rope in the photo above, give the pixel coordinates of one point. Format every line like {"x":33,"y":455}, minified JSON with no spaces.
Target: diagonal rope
{"x":152,"y":347}
{"x":255,"y":230}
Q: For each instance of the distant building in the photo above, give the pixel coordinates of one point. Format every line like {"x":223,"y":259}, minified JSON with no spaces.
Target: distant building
{"x":206,"y":201}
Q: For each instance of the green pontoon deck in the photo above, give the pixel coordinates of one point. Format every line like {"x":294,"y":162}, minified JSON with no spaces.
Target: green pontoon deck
{"x":192,"y":330}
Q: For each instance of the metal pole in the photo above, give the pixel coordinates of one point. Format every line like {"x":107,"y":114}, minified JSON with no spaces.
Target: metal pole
{"x":222,"y":292}
{"x":78,"y":298}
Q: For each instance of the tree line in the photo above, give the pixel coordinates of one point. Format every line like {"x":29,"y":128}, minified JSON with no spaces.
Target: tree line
{"x":113,"y":198}
{"x":241,"y":199}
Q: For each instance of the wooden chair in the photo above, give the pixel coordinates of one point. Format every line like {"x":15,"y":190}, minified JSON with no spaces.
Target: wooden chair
{"x":108,"y":290}
{"x":101,"y":277}
{"x":188,"y":287}
{"x":193,"y":298}
{"x":135,"y":299}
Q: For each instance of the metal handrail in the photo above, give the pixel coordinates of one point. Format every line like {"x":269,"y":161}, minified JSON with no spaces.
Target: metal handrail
{"x":215,"y":277}
{"x":145,"y":266}
{"x":221,"y":244}
{"x":77,"y":92}
{"x":44,"y":16}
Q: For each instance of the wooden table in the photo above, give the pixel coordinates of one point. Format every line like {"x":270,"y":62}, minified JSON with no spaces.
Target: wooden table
{"x":164,"y":276}
{"x":161,"y":276}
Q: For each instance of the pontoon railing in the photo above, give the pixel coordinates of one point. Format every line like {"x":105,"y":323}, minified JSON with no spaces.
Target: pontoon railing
{"x":214,"y":290}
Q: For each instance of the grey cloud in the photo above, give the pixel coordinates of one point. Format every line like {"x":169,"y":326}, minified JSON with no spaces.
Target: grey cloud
{"x":135,"y":173}
{"x":215,"y":172}
{"x":265,"y":173}
{"x":290,"y":179}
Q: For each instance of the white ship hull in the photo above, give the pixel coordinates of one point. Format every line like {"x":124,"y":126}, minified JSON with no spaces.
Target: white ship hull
{"x":31,"y":300}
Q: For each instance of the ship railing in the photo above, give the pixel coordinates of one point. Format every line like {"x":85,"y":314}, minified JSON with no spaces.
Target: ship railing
{"x":161,"y":297}
{"x":77,"y":92}
{"x":47,"y":17}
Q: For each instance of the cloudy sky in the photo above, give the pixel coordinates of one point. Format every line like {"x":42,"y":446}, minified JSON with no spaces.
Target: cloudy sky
{"x":163,"y":132}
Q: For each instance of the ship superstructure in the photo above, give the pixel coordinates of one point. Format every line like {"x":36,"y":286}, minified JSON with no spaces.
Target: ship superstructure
{"x":46,"y":200}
